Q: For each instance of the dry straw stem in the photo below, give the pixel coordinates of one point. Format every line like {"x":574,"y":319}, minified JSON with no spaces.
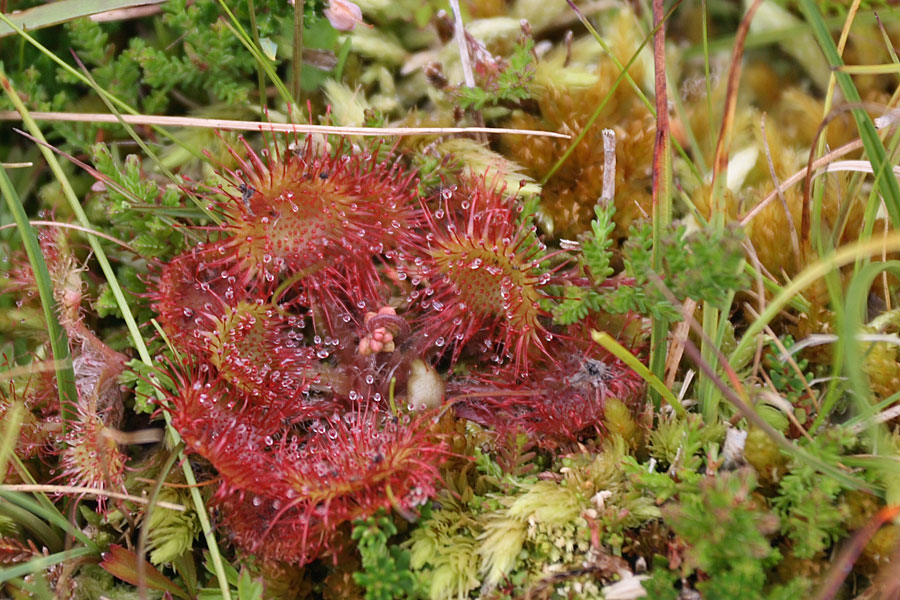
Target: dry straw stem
{"x":795,"y":241}
{"x":459,"y":33}
{"x":232,"y":125}
{"x":126,"y":14}
{"x":676,"y":347}
{"x":847,"y":558}
{"x":39,"y":367}
{"x":608,"y":191}
{"x":798,"y":176}
{"x":54,"y":13}
{"x":88,"y":230}
{"x":72,"y":489}
{"x":858,"y":166}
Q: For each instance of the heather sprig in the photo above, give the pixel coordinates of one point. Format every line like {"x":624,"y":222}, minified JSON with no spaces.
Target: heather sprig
{"x":134,"y":205}
{"x":812,"y":517}
{"x":509,"y":83}
{"x":726,"y":535}
{"x":579,"y":301}
{"x":386,"y":568}
{"x":705,"y":266}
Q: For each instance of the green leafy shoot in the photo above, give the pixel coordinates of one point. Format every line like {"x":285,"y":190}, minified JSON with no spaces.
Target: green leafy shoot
{"x":596,"y":257}
{"x":510,"y":85}
{"x":386,"y":569}
{"x":596,"y":249}
{"x":705,"y":266}
{"x":153,"y":233}
{"x":811,"y":517}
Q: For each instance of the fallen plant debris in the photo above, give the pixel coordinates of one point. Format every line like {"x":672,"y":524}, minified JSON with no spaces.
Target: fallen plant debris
{"x":413,"y":300}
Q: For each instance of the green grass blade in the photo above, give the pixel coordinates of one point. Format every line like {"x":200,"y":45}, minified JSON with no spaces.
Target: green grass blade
{"x":12,"y":423}
{"x":25,"y":520}
{"x":52,"y":516}
{"x":63,"y":11}
{"x":42,"y":563}
{"x":616,"y":349}
{"x":877,"y":155}
{"x":817,"y":270}
{"x":241,"y":34}
{"x":59,"y":341}
{"x":850,"y":323}
{"x":26,"y":476}
{"x":777,"y":36}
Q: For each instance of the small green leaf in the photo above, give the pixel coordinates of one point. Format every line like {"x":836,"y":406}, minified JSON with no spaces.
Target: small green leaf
{"x":269,"y":48}
{"x":123,"y":564}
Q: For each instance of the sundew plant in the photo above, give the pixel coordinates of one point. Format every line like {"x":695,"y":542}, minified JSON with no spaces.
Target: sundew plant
{"x":449,"y":300}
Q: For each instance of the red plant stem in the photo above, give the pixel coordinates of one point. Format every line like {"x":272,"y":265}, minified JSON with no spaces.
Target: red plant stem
{"x":720,"y":161}
{"x":662,"y":100}
{"x":661,"y":196}
{"x":844,"y":563}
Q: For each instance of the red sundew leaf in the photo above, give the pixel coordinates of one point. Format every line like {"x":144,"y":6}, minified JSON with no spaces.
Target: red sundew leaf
{"x":319,"y":215}
{"x":218,"y":423}
{"x":479,"y":278}
{"x":271,"y":529}
{"x":90,"y":457}
{"x":40,"y":426}
{"x":189,"y":293}
{"x":560,"y":402}
{"x":355,"y":464}
{"x":123,"y":564}
{"x":257,"y":350}
{"x":348,"y":466}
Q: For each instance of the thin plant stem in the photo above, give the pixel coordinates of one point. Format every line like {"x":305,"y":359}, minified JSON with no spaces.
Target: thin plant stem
{"x":662,"y":188}
{"x":59,"y":340}
{"x":233,"y":125}
{"x":297,"y":66}
{"x":145,"y":525}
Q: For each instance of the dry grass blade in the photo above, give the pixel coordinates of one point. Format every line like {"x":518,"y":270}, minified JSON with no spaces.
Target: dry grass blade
{"x":38,"y":367}
{"x":795,"y":241}
{"x":54,"y":13}
{"x":232,"y":125}
{"x":460,"y":35}
{"x":88,"y":230}
{"x":798,"y":176}
{"x":842,"y":566}
{"x":807,"y":183}
{"x":72,"y":489}
{"x":125,"y":14}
